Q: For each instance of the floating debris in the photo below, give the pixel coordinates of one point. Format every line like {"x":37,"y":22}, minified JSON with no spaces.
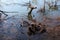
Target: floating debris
{"x":34,"y":29}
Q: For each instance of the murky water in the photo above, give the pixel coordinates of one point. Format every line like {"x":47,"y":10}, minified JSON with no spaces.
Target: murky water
{"x":11,"y":29}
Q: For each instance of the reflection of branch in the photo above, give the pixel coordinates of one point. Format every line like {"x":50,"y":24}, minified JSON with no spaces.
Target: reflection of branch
{"x":16,"y":4}
{"x":10,"y":17}
{"x":26,"y":4}
{"x":11,"y":3}
{"x":11,"y":12}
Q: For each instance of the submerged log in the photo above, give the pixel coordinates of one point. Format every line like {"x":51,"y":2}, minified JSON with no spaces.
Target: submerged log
{"x":30,"y":13}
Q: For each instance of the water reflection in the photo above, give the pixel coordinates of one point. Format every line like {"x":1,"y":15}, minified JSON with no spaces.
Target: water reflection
{"x":12,"y":28}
